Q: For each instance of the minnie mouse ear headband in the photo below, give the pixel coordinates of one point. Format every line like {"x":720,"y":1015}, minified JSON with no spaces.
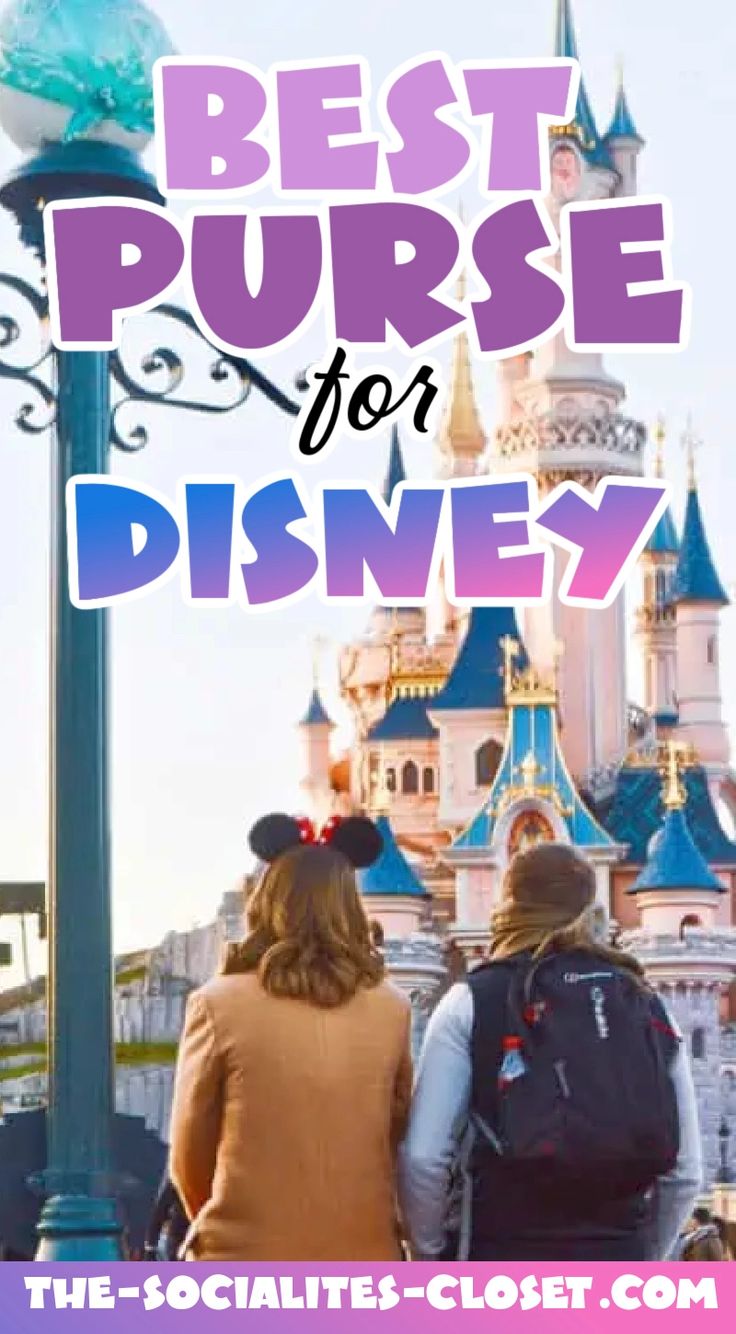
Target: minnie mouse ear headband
{"x":355,"y":836}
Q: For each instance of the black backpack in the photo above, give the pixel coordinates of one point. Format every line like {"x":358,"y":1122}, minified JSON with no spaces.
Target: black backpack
{"x":595,"y":1107}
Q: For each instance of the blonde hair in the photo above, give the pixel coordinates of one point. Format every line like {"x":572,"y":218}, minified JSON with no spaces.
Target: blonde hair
{"x":308,"y":936}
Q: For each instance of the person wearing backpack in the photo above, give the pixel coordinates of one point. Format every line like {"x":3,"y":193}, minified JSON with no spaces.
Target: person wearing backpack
{"x":554,"y":1114}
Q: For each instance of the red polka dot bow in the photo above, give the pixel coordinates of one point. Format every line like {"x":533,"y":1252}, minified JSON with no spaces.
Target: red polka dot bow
{"x":308,"y":833}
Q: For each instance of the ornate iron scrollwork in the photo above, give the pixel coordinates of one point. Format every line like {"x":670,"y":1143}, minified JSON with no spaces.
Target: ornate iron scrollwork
{"x":36,"y":413}
{"x":156,"y":380}
{"x":226,"y":371}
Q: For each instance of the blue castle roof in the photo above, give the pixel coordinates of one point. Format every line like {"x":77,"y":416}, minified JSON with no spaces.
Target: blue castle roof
{"x":476,"y":679}
{"x":566,"y":46}
{"x":696,"y":579}
{"x":622,"y":122}
{"x":405,"y":720}
{"x":635,"y":814}
{"x":395,"y":471}
{"x":391,"y":873}
{"x":675,"y":861}
{"x":532,"y":733}
{"x":664,"y":537}
{"x":316,"y":714}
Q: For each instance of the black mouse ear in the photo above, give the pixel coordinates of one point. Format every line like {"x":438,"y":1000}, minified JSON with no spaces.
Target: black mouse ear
{"x":274,"y":834}
{"x":358,"y":839}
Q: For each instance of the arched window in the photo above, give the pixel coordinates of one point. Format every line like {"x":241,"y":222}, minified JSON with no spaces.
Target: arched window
{"x":428,"y":781}
{"x":691,"y":919}
{"x":410,"y":779}
{"x":697,"y":1044}
{"x":487,"y":760}
{"x":660,"y":587}
{"x":711,"y":651}
{"x":391,"y":780}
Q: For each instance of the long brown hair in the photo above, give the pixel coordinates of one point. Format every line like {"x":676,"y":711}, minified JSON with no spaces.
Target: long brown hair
{"x":308,"y":936}
{"x":548,"y":906}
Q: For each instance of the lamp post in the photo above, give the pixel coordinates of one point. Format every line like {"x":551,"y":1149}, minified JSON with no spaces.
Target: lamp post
{"x":80,"y":396}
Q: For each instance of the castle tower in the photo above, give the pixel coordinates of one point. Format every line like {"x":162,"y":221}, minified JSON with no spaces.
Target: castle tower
{"x":699,"y":596}
{"x":655,"y":617}
{"x":623,"y":141}
{"x":470,"y":715}
{"x":395,"y":898}
{"x":315,"y":729}
{"x":532,"y":799}
{"x":563,"y":420}
{"x":365,"y":665}
{"x":393,"y":894}
{"x":688,"y":957}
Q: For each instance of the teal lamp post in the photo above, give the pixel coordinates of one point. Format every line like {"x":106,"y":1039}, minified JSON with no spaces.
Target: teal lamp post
{"x":75,"y":97}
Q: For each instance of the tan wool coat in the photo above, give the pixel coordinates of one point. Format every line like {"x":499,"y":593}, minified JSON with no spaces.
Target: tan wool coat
{"x":285,"y":1123}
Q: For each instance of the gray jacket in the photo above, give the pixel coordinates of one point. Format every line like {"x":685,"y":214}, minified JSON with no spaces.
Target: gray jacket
{"x":439,"y":1119}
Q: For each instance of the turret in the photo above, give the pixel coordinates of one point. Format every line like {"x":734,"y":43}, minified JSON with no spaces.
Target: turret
{"x":393,"y":894}
{"x":470,"y":714}
{"x":686,"y":946}
{"x":623,"y":141}
{"x":676,"y":886}
{"x":655,"y":617}
{"x":315,"y":728}
{"x":698,"y":596}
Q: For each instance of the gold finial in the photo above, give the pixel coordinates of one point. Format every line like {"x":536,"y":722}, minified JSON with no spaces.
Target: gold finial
{"x":318,"y":643}
{"x":510,"y":650}
{"x":660,"y":436}
{"x":674,"y":794}
{"x":691,"y":442}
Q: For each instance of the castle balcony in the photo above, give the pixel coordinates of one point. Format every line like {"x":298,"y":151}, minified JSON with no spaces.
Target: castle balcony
{"x":587,"y":443}
{"x":693,"y":956}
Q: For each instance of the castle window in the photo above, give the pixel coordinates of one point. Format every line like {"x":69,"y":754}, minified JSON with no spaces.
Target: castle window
{"x":660,"y":587}
{"x":487,"y":760}
{"x":691,"y":919}
{"x":697,"y":1044}
{"x":410,"y":779}
{"x":428,"y":781}
{"x":391,"y":780}
{"x":711,"y":651}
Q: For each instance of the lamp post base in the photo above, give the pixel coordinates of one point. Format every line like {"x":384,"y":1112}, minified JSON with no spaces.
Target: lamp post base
{"x":79,"y":1228}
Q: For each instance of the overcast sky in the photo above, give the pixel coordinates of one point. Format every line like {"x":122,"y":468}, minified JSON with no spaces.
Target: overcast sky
{"x":204,"y":701}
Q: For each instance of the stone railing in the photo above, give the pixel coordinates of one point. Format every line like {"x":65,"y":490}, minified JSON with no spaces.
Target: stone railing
{"x":716,"y":945}
{"x":552,"y":436}
{"x":419,"y":951}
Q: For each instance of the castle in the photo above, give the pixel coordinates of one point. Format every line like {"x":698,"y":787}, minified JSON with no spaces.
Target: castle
{"x":476,"y":733}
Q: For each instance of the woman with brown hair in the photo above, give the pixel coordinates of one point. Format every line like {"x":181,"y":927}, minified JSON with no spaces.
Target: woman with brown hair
{"x":294,"y":1072}
{"x":554,"y":1084}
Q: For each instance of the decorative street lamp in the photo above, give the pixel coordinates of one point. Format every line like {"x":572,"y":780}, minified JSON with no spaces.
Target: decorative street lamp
{"x":75,"y":92}
{"x":724,"y":1138}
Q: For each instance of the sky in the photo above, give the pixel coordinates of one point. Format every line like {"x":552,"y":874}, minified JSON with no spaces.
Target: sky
{"x":204,"y":701}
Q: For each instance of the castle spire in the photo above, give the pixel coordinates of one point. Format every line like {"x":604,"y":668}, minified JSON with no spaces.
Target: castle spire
{"x":696,"y":578}
{"x":622,"y":122}
{"x":663,"y":540}
{"x":565,"y":43}
{"x":674,"y":860}
{"x":462,"y":437}
{"x":395,"y":472}
{"x":583,"y":126}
